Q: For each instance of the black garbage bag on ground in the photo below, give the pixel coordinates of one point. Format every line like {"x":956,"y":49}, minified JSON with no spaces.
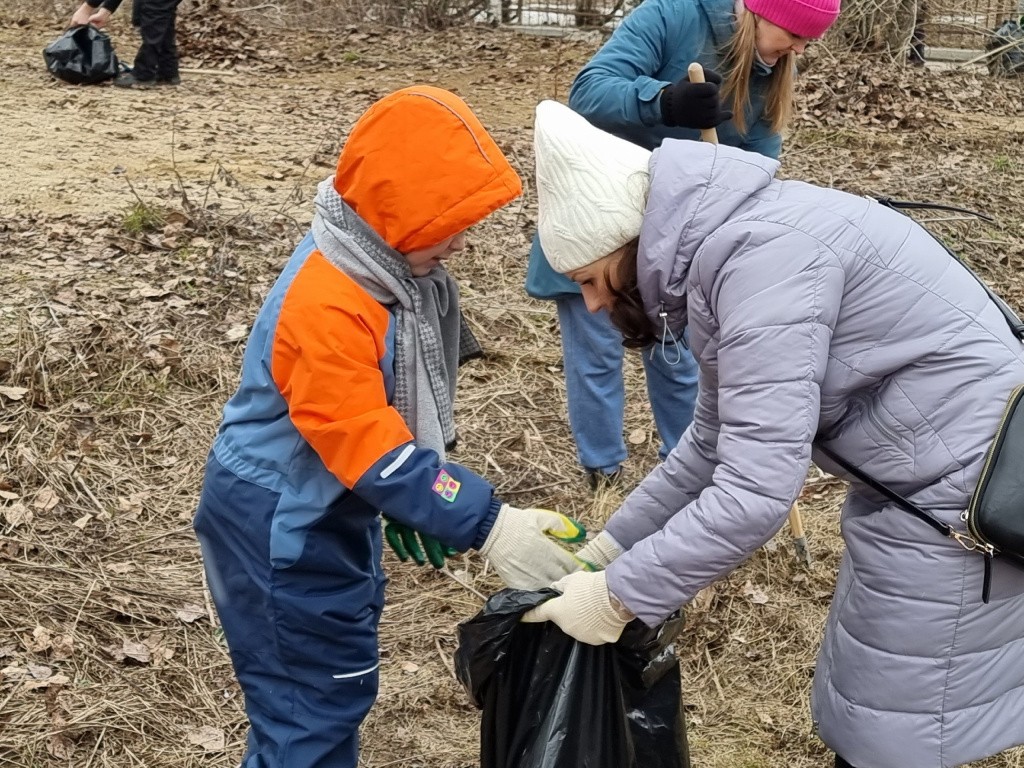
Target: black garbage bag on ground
{"x":549,"y":701}
{"x":82,"y":55}
{"x":1009,"y":60}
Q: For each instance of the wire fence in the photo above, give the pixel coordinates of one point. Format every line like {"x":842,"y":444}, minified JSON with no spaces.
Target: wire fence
{"x":959,"y":24}
{"x":871,"y":25}
{"x":584,"y":14}
{"x":944,"y":23}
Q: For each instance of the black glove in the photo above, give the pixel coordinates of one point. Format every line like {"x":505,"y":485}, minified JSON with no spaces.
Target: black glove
{"x":694,"y":105}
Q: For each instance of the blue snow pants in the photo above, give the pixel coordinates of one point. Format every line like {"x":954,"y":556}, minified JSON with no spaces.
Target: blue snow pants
{"x":302,"y":634}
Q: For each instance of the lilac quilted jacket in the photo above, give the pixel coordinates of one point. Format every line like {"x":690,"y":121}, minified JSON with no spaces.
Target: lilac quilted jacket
{"x":817,"y":315}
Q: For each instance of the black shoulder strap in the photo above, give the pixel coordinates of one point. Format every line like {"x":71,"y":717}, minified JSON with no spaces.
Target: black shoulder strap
{"x":889,"y":493}
{"x":966,"y":541}
{"x":1012,"y":320}
{"x":902,"y":205}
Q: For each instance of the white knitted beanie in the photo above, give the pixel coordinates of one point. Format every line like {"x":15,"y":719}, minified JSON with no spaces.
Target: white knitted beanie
{"x":591,"y":188}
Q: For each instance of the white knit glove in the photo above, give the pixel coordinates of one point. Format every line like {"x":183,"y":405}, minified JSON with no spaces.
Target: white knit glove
{"x":600,"y":551}
{"x":585,"y":609}
{"x":522,"y":550}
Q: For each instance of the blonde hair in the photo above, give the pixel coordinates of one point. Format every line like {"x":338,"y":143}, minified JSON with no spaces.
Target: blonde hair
{"x":738,"y":60}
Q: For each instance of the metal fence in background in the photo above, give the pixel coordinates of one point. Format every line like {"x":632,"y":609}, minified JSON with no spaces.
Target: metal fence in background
{"x":964,"y":23}
{"x":946,"y":23}
{"x":582,"y":14}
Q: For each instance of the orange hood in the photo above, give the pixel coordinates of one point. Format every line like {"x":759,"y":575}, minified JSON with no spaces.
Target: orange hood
{"x":419,"y":168}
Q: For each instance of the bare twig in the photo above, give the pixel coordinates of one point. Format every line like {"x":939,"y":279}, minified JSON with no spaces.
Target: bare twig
{"x":445,"y":658}
{"x":462,"y":583}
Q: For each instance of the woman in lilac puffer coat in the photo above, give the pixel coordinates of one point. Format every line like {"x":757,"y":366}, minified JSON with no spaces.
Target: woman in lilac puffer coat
{"x":818,"y":318}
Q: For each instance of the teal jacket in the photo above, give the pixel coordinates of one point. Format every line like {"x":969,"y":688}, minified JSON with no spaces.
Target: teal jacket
{"x":619,"y":90}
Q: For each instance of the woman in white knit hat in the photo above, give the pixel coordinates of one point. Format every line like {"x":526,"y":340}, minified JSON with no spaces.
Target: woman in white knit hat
{"x":821,"y":321}
{"x":636,"y":87}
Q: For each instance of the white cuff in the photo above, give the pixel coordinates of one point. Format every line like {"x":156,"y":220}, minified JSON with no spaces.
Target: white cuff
{"x":601,"y":550}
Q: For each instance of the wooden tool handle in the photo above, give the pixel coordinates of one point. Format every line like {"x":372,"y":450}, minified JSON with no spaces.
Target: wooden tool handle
{"x":695,"y":72}
{"x":796,"y":524}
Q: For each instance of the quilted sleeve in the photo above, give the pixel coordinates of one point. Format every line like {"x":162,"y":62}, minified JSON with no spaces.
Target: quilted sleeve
{"x":673,"y":484}
{"x":775,"y":294}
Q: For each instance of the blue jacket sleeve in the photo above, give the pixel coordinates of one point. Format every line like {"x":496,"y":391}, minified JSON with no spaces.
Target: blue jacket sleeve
{"x":412,"y":486}
{"x":542,"y":282}
{"x":763,"y":140}
{"x":616,"y":90}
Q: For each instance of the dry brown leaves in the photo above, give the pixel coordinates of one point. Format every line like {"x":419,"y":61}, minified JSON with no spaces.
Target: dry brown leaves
{"x":870,"y":92}
{"x":118,"y":343}
{"x":118,"y":350}
{"x":212,"y":37}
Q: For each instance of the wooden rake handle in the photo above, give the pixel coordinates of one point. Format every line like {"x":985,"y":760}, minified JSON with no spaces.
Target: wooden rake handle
{"x":695,"y":73}
{"x":796,"y":528}
{"x":796,"y":523}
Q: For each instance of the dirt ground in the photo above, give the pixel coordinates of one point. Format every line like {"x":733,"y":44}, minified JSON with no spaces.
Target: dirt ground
{"x":139,"y":231}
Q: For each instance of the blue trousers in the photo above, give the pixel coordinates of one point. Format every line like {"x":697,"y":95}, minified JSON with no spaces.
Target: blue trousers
{"x":592,"y":352}
{"x":302,"y":637}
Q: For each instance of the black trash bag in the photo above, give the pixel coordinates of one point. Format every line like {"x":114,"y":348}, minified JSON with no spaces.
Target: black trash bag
{"x":82,"y":55}
{"x":1011,"y":60}
{"x":549,"y":701}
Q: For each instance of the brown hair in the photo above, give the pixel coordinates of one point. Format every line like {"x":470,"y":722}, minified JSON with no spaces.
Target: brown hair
{"x":738,"y":61}
{"x":628,"y":313}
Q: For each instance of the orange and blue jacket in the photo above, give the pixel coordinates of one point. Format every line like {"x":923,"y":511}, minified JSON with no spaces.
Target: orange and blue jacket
{"x":312,"y":420}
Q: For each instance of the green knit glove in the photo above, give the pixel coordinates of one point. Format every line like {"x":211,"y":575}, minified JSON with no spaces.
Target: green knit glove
{"x":406,"y":543}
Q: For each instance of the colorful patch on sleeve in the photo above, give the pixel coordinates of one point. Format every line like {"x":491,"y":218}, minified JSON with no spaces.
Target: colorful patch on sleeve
{"x":446,"y":486}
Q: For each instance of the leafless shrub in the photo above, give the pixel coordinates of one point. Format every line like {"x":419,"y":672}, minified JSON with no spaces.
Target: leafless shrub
{"x":889,"y":27}
{"x":878,"y":26}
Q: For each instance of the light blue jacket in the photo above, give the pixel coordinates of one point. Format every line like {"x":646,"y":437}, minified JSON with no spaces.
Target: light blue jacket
{"x":619,"y":91}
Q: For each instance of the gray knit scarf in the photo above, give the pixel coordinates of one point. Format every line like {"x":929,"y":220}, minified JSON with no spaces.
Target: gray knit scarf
{"x":427,"y":317}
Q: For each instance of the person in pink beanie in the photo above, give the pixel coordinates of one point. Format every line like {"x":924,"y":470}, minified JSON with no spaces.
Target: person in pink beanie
{"x":808,"y":19}
{"x":636,"y":88}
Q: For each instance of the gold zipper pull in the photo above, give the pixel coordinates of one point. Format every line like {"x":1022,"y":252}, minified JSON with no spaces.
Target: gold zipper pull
{"x":966,"y":541}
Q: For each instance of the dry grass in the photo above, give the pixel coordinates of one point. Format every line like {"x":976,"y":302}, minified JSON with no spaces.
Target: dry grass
{"x":119,"y":344}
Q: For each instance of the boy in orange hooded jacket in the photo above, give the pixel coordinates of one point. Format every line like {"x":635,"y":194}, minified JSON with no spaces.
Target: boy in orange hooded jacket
{"x":344,"y":412}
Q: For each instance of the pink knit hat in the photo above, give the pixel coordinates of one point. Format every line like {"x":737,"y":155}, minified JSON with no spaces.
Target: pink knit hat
{"x":804,"y":18}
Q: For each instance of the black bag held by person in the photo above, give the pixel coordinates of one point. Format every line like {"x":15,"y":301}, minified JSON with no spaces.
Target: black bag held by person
{"x":550,"y":701}
{"x":82,"y":55}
